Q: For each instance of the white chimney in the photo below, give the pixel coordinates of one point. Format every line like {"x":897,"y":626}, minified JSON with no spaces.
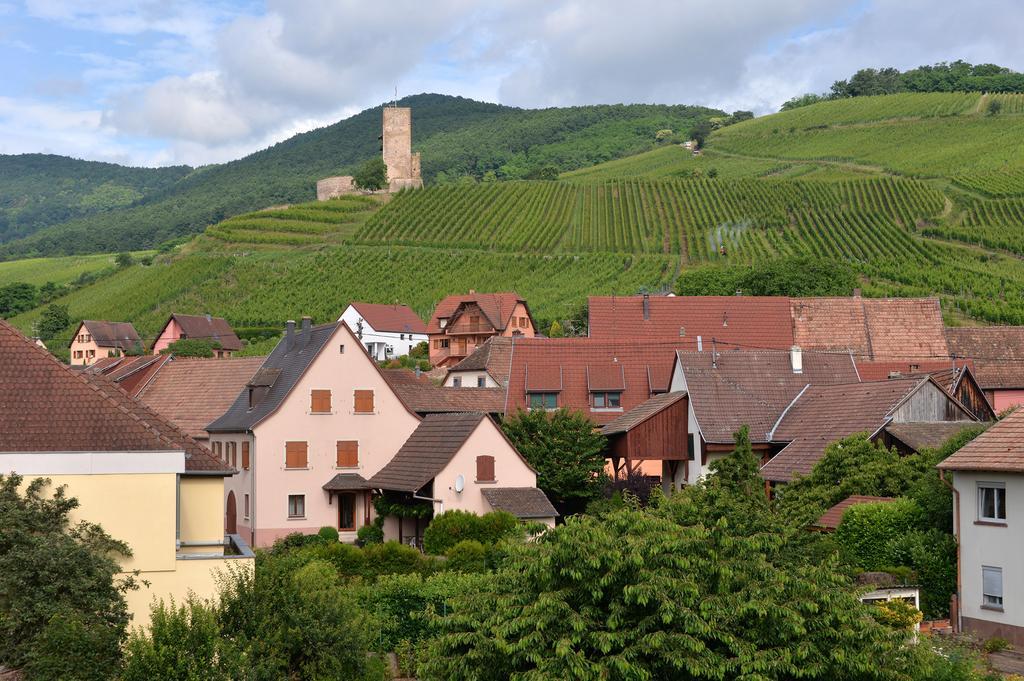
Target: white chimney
{"x":700,"y":344}
{"x":796,"y":358}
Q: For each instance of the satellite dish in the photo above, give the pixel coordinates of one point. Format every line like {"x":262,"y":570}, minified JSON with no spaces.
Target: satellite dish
{"x":460,"y":483}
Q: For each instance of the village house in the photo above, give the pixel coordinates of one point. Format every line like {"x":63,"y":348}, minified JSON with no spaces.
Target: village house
{"x":424,"y":396}
{"x":996,"y":354}
{"x":460,"y":323}
{"x":94,"y":340}
{"x":216,"y":330}
{"x":988,"y":505}
{"x":957,"y":377}
{"x":387,"y":331}
{"x":144,"y":481}
{"x":318,"y":421}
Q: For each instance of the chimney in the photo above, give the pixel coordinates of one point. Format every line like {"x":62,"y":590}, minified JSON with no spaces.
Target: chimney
{"x":289,"y":335}
{"x":647,"y":307}
{"x":700,"y":344}
{"x":856,"y":293}
{"x":472,"y":291}
{"x":307,"y":326}
{"x":796,"y":358}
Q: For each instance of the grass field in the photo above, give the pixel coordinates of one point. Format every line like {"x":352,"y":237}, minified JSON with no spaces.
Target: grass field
{"x":38,"y":271}
{"x":916,"y":191}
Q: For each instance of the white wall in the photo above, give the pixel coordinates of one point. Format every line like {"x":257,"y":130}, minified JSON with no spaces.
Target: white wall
{"x":469,"y":379}
{"x":401,"y":342}
{"x":992,"y":546}
{"x":696,"y":471}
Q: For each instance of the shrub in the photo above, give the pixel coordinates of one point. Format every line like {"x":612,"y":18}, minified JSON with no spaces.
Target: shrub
{"x":394,"y":559}
{"x":995,"y":644}
{"x":328,"y":533}
{"x":295,"y":540}
{"x":868,"y":534}
{"x":372,"y":533}
{"x":897,"y":614}
{"x":451,"y":527}
{"x":75,"y":647}
{"x":468,"y":555}
{"x":932,"y":556}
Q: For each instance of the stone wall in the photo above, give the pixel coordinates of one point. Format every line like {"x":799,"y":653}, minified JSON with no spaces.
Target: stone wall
{"x":398,"y":142}
{"x":330,"y":187}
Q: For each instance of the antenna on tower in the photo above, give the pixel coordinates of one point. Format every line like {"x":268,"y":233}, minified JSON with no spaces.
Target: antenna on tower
{"x":394,"y":102}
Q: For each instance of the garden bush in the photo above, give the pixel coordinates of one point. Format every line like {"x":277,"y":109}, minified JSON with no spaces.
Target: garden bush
{"x":74,"y":647}
{"x":468,"y":555}
{"x":328,"y":533}
{"x":868,"y":534}
{"x":372,"y":533}
{"x":451,"y":527}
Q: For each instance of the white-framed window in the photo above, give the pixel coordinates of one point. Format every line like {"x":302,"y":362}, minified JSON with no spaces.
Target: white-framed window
{"x":992,"y":587}
{"x":296,"y":505}
{"x":607,"y":400}
{"x":456,"y":382}
{"x":245,"y":507}
{"x":992,"y":501}
{"x":542,"y":400}
{"x":481,"y":382}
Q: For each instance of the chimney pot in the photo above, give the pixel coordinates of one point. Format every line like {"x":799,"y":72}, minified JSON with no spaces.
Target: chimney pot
{"x":647,"y":307}
{"x":856,"y":293}
{"x":796,"y":359}
{"x":289,"y":335}
{"x":472,"y":291}
{"x":700,"y":344}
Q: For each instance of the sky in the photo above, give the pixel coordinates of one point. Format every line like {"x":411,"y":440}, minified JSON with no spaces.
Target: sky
{"x":158,"y":82}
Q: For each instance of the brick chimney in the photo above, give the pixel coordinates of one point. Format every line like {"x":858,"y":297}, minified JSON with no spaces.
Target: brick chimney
{"x":289,"y":335}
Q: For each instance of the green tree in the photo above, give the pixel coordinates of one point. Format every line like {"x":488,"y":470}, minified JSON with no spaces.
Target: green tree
{"x":556,"y":330}
{"x":994,"y":107}
{"x":124,"y":259}
{"x":700,"y":133}
{"x":565,"y":450}
{"x":793,"y":276}
{"x":191,"y":347}
{"x":56,"y":576}
{"x":17,"y":298}
{"x":543,"y":173}
{"x":372,"y":174}
{"x":738,"y":116}
{"x":52,"y":321}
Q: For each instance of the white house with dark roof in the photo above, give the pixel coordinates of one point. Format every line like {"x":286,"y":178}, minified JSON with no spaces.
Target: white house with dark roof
{"x":318,"y":435}
{"x":387,"y":331}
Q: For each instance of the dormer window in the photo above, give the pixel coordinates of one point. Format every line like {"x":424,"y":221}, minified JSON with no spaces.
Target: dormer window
{"x":607,"y":400}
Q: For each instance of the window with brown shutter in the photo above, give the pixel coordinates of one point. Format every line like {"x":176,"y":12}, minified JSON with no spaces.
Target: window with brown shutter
{"x":348,"y":453}
{"x":320,"y":401}
{"x":485,"y":468}
{"x":217,"y":449}
{"x":364,"y":402}
{"x":233,"y":447}
{"x":295,"y":454}
{"x":245,"y":456}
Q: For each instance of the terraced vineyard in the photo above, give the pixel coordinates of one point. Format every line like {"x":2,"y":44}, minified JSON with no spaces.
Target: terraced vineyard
{"x":694,"y":218}
{"x":302,"y":224}
{"x":38,"y":271}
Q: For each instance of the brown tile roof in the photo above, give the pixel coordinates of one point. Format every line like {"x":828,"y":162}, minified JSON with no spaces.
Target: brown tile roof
{"x":826,"y":413}
{"x":205,"y":327}
{"x":639,"y":414}
{"x":833,"y":516}
{"x":497,"y":307}
{"x":755,"y":322}
{"x":997,"y":353}
{"x":427,"y":451}
{"x":396,"y":318}
{"x":130,"y":373}
{"x":425,"y":397}
{"x":191,"y":393}
{"x":931,"y":435}
{"x":879,"y":370}
{"x":47,"y":407}
{"x":1000,"y":448}
{"x":494,"y":357}
{"x":343,"y":482}
{"x":540,"y":364}
{"x":522,"y":502}
{"x":752,"y":388}
{"x":871,"y":328}
{"x":111,"y":334}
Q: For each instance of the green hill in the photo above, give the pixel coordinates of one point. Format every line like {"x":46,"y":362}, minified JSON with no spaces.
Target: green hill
{"x":457,"y":137}
{"x":901,"y":214}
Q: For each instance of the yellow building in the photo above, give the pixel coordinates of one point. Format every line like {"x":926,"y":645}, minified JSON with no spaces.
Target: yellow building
{"x":139,"y":477}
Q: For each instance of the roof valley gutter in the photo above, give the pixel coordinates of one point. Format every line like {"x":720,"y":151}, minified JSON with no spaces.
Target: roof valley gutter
{"x":771,"y":433}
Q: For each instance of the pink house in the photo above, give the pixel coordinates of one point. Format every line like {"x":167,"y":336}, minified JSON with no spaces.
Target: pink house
{"x":460,"y":323}
{"x":318,"y":435}
{"x":95,"y":340}
{"x":200,"y":327}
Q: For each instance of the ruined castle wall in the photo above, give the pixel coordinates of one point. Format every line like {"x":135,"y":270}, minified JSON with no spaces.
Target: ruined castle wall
{"x":398,"y":142}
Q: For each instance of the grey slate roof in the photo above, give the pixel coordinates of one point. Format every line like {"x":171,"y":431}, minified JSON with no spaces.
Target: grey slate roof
{"x":343,"y":482}
{"x":290,"y":366}
{"x":427,"y":451}
{"x":522,"y":502}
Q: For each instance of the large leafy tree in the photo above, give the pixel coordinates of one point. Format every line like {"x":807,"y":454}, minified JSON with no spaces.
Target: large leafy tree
{"x":682,"y":590}
{"x":54,"y":575}
{"x":17,"y":297}
{"x":372,"y":174}
{"x":566,"y":451}
{"x":52,"y":321}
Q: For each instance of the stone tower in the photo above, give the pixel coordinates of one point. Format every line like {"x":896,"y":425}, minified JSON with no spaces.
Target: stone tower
{"x":403,"y":165}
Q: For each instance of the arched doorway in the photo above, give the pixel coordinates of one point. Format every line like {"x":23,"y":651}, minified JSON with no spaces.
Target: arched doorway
{"x":231,"y":517}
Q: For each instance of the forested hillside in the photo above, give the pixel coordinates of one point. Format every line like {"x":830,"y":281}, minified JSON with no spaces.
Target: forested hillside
{"x":38,"y":190}
{"x":459,"y":138}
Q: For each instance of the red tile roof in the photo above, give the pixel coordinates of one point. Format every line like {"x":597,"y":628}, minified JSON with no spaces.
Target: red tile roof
{"x":424,"y":397}
{"x":205,"y":327}
{"x":111,"y":334}
{"x":562,"y":364}
{"x":130,"y":373}
{"x":493,"y":356}
{"x":880,"y":370}
{"x":47,"y":407}
{"x":497,"y":307}
{"x":1000,"y":448}
{"x":395,"y":318}
{"x":997,"y":353}
{"x":752,"y":388}
{"x":755,"y":322}
{"x":833,"y":516}
{"x":191,"y":393}
{"x":871,"y":328}
{"x":826,"y":413}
